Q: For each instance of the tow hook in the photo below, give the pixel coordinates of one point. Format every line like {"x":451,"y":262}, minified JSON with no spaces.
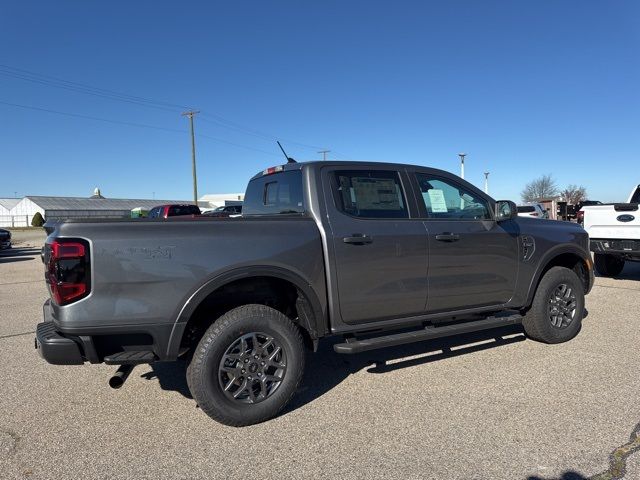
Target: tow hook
{"x":120,"y":376}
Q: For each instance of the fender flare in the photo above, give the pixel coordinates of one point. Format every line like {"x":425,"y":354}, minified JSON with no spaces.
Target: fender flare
{"x":316,"y":325}
{"x":546,"y":259}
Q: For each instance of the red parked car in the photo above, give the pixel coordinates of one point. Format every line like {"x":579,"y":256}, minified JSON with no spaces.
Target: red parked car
{"x":175,"y":210}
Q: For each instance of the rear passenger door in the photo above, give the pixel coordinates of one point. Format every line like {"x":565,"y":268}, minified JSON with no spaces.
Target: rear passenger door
{"x":380,"y":251}
{"x":473,"y":260}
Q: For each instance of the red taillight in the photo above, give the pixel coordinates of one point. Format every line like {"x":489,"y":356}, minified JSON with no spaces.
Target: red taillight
{"x":67,"y":250}
{"x":68,"y":271}
{"x":65,"y":293}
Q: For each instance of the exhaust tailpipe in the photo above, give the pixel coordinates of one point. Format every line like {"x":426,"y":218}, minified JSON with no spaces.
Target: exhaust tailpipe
{"x":120,"y":376}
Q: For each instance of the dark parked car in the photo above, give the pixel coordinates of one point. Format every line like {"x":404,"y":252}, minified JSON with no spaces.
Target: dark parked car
{"x":5,"y":238}
{"x":175,"y":210}
{"x":225,"y":211}
{"x":378,"y":253}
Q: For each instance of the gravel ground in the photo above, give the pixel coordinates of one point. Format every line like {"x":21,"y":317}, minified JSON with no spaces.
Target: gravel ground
{"x":489,"y":406}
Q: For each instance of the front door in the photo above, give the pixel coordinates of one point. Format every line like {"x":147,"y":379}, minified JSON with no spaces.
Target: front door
{"x":473,"y":260}
{"x":380,"y":252}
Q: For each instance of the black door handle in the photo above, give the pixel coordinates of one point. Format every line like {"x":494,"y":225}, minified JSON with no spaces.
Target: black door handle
{"x":447,"y":237}
{"x":358,"y":239}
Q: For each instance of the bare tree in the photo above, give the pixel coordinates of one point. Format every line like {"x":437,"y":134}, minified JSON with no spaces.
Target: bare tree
{"x":536,"y":190}
{"x":574,"y":194}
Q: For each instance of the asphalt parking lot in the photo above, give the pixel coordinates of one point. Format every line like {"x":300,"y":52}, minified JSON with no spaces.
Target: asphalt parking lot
{"x":489,"y":406}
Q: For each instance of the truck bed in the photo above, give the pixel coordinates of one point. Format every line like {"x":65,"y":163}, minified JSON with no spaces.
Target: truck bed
{"x":143,"y":271}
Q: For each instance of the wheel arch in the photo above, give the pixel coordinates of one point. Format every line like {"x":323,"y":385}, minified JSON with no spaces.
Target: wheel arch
{"x":567,"y":256}
{"x":311,"y":315}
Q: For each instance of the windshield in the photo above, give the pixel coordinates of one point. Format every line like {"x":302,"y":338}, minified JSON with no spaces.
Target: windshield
{"x":635,"y":198}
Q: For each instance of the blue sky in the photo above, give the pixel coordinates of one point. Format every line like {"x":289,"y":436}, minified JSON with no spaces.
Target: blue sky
{"x":524,"y":88}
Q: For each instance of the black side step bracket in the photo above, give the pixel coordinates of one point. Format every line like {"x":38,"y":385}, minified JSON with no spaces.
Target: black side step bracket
{"x":354,"y":345}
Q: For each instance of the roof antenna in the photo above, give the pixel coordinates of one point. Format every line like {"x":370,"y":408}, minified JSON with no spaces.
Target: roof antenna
{"x":289,"y":159}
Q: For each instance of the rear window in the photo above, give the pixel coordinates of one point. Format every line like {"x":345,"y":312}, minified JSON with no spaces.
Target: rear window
{"x":178,"y":210}
{"x":526,"y":209}
{"x":279,"y":193}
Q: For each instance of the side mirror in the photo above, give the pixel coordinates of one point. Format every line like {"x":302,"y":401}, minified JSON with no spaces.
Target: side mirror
{"x":505,"y":210}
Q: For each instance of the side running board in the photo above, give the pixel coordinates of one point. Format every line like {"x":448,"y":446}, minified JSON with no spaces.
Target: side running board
{"x":130,"y":358}
{"x":354,"y":345}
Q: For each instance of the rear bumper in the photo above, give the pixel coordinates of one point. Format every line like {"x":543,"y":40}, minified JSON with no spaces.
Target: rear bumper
{"x":105,"y":344}
{"x":55,"y":348}
{"x":619,"y":247}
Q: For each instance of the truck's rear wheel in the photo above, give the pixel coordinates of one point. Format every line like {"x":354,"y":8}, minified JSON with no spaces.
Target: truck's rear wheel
{"x":556,"y":313}
{"x":247,"y":366}
{"x":608,"y":265}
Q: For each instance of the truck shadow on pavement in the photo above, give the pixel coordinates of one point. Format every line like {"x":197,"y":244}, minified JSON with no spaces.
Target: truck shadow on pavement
{"x":631,"y":271}
{"x":326,"y":369}
{"x":568,"y":475}
{"x":18,"y":254}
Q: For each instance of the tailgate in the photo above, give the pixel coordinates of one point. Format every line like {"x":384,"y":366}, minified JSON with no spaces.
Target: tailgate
{"x":619,"y":221}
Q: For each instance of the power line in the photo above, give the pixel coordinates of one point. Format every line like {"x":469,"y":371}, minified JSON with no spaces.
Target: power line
{"x":89,"y":117}
{"x":216,"y":119}
{"x":132,"y":124}
{"x":81,"y":87}
{"x":77,"y":87}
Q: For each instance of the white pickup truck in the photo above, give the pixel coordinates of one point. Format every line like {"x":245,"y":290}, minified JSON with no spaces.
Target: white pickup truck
{"x":614,"y":233}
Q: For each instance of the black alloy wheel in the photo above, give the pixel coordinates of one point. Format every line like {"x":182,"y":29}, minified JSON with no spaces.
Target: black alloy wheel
{"x":562,"y":306}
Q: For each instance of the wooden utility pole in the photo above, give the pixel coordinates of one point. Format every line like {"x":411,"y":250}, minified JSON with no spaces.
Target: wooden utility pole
{"x":324,"y":154}
{"x":190,"y":114}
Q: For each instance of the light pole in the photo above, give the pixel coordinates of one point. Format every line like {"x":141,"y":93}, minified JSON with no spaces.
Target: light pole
{"x":486,"y":182}
{"x":462,"y":155}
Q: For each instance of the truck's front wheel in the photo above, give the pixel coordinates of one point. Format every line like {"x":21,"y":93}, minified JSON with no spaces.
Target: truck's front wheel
{"x":247,"y":366}
{"x":608,"y":265}
{"x":556,"y":313}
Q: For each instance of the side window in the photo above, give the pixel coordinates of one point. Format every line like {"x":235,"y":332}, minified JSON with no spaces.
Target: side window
{"x":370,"y":194}
{"x":446,"y":199}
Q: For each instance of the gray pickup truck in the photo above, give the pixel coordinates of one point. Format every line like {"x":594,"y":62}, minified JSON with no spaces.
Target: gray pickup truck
{"x":379,"y":254}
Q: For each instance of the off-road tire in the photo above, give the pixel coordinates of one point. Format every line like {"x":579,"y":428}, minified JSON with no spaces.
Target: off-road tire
{"x":203,"y":369}
{"x":537,"y":321}
{"x":608,"y":265}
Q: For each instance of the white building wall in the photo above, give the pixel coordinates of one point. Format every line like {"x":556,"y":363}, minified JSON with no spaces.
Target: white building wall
{"x":219,"y":199}
{"x":23,"y":213}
